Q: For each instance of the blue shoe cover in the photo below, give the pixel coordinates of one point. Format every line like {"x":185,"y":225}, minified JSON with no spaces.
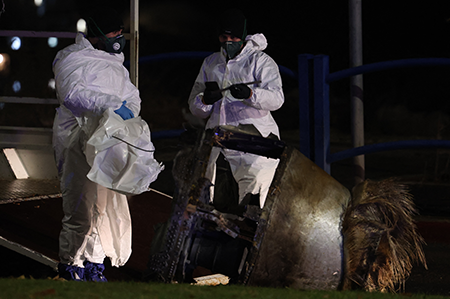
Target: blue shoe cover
{"x":70,"y":272}
{"x":94,"y":272}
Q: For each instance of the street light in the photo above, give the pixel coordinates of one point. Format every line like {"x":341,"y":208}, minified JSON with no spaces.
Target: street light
{"x":16,"y":43}
{"x":4,"y":63}
{"x":81,"y":25}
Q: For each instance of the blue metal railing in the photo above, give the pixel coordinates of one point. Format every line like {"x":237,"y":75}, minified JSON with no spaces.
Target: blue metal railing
{"x":171,"y":56}
{"x":188,"y":56}
{"x":321,"y":80}
{"x":387,"y":146}
{"x":387,"y":65}
{"x":314,"y":110}
{"x":195,"y":55}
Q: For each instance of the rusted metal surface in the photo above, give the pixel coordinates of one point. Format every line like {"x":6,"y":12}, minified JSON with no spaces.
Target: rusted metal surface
{"x":299,"y":243}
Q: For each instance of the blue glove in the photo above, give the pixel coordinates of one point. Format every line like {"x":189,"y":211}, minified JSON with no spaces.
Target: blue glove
{"x":124,"y":112}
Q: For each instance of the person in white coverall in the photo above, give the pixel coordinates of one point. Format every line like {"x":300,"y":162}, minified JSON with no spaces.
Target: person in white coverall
{"x":90,"y":78}
{"x":241,"y":60}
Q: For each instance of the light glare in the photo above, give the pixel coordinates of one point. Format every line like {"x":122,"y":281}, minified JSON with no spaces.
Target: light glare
{"x":15,"y":163}
{"x":81,"y":25}
{"x":38,"y":2}
{"x":51,"y":83}
{"x":52,"y":42}
{"x":4,"y":62}
{"x":16,"y":43}
{"x":16,"y":86}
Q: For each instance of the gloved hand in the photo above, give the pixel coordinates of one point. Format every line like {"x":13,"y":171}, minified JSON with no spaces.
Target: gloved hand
{"x":124,"y":112}
{"x":212,"y":93}
{"x":240,"y":91}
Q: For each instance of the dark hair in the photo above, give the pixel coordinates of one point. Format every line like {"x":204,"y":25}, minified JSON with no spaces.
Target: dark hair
{"x":233,"y":22}
{"x":103,"y":21}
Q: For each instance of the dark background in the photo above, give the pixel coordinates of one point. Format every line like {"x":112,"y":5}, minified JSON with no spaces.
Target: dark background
{"x":391,"y":30}
{"x":399,"y":104}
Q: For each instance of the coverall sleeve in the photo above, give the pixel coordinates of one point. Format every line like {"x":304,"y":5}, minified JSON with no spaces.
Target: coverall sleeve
{"x":195,"y":99}
{"x":269,"y":94}
{"x":81,"y":95}
{"x":131,"y":95}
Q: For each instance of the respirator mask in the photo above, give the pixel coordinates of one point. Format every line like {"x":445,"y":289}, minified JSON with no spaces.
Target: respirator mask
{"x":232,"y":48}
{"x":114,"y":45}
{"x":237,"y":29}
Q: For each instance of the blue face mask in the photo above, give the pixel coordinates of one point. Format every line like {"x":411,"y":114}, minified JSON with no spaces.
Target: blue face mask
{"x":115,"y":44}
{"x":232,"y":48}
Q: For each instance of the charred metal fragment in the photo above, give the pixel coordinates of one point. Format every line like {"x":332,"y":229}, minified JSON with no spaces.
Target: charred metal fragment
{"x":241,"y":140}
{"x":294,"y":241}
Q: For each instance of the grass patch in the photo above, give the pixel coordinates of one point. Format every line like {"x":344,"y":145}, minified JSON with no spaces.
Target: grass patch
{"x":31,"y":288}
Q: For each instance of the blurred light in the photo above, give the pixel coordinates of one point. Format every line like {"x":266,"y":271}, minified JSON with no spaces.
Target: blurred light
{"x":4,"y":62}
{"x":51,"y":83}
{"x":16,"y":43}
{"x":16,"y":86}
{"x":40,"y":7}
{"x":52,"y":42}
{"x":15,"y":163}
{"x":81,"y":25}
{"x":41,"y":10}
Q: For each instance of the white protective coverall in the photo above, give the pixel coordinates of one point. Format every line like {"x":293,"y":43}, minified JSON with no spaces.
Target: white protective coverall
{"x":96,"y":221}
{"x":253,"y":173}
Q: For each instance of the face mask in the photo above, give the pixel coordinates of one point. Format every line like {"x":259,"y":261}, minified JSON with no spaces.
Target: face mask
{"x":115,"y":44}
{"x":232,"y":48}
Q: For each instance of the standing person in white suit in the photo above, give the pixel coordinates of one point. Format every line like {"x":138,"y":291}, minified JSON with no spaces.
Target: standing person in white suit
{"x":240,"y":60}
{"x":90,"y":78}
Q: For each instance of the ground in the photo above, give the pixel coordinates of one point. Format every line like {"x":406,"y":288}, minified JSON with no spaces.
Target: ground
{"x":430,"y":195}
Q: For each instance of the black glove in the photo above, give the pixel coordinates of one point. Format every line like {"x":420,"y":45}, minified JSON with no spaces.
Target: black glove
{"x":212,"y":93}
{"x":240,"y":91}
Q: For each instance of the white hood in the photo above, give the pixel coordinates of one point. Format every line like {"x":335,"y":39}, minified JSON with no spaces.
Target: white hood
{"x":257,"y":42}
{"x":251,"y":64}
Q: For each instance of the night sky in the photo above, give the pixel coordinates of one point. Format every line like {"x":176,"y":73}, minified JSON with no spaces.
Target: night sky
{"x":392,"y":29}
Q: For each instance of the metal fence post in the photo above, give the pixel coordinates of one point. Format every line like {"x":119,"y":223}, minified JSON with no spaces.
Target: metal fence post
{"x":134,"y":42}
{"x":356,"y":87}
{"x":305,"y":93}
{"x":321,"y":112}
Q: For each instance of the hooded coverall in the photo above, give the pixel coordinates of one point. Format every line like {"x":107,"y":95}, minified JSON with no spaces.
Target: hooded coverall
{"x":96,"y":221}
{"x":253,"y":173}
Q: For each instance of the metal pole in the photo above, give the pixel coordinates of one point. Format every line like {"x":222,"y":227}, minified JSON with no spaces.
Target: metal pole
{"x":356,"y":87}
{"x":134,"y":41}
{"x":305,"y":92}
{"x":321,"y":113}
